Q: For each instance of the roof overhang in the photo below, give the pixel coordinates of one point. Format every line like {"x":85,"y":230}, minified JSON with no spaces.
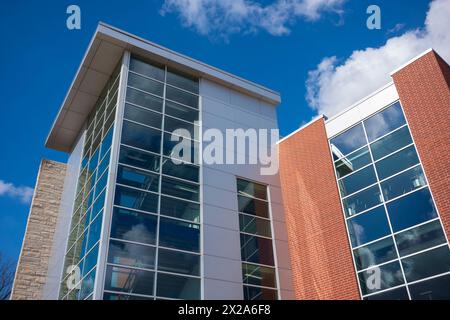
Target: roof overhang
{"x":104,"y":52}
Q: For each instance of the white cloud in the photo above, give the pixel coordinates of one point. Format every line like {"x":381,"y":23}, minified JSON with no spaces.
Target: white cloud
{"x":225,"y":17}
{"x":335,"y":85}
{"x":24,"y":194}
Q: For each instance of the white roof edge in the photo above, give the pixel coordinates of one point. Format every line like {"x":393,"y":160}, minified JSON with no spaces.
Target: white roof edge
{"x":320,"y":116}
{"x":411,"y":61}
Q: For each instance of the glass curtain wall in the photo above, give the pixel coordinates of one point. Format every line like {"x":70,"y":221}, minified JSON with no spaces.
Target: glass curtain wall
{"x":398,"y":243}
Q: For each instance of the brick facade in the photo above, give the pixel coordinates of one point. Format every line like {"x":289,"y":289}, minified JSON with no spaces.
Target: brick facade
{"x":33,"y":263}
{"x":322,"y":265}
{"x":423,"y":87}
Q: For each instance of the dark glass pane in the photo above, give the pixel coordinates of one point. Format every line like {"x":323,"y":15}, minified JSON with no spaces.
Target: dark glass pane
{"x":397,"y":162}
{"x":352,"y":162}
{"x":375,"y":253}
{"x":140,"y":159}
{"x":412,"y":209}
{"x":134,"y":199}
{"x":143,"y":116}
{"x":180,"y":209}
{"x":180,"y":148}
{"x":391,"y":143}
{"x":94,"y":231}
{"x":181,"y":170}
{"x":103,"y":165}
{"x":253,"y":206}
{"x":178,"y":262}
{"x":255,"y":293}
{"x":384,"y":122}
{"x":396,"y":294}
{"x":403,"y":183}
{"x":87,"y":285}
{"x":90,"y":261}
{"x":129,"y":280}
{"x":258,"y":275}
{"x":348,"y":141}
{"x":133,"y":226}
{"x":93,"y":162}
{"x":251,"y":189}
{"x":138,"y":178}
{"x":357,"y":181}
{"x":150,"y":70}
{"x":257,"y":250}
{"x":182,"y":112}
{"x":362,"y":201}
{"x":98,"y":204}
{"x":433,"y":289}
{"x":254,"y":225}
{"x":182,"y":80}
{"x":180,"y":189}
{"x":188,"y":130}
{"x":427,"y":264}
{"x":144,"y":100}
{"x":117,"y":297}
{"x":106,"y":143}
{"x":381,"y":278}
{"x":141,"y":137}
{"x":369,"y":226}
{"x":145,"y":84}
{"x":179,"y":235}
{"x":178,"y":287}
{"x":133,"y":255}
{"x":182,"y":97}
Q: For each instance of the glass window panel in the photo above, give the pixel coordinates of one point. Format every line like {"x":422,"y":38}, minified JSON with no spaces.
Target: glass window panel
{"x":87,"y":285}
{"x":104,"y":164}
{"x":93,"y":162}
{"x":357,"y":181}
{"x":182,"y":112}
{"x":352,"y":162}
{"x":178,"y":262}
{"x":141,"y":137}
{"x":348,"y":141}
{"x":420,"y":238}
{"x":395,"y":294}
{"x":117,"y":297}
{"x":109,"y":121}
{"x":191,"y":148}
{"x":384,"y":122}
{"x":98,"y":204}
{"x":138,"y":158}
{"x":412,"y":209}
{"x":427,"y":264}
{"x":130,"y":254}
{"x":180,"y":189}
{"x":143,"y":116}
{"x":179,"y":235}
{"x":180,"y":209}
{"x":134,"y":199}
{"x":182,"y":97}
{"x":182,"y":80}
{"x":258,"y":275}
{"x":397,"y":162}
{"x":178,"y":287}
{"x":90,"y":260}
{"x":94,"y":231}
{"x":189,"y":130}
{"x":138,"y":178}
{"x":145,"y":84}
{"x":403,"y":183}
{"x":150,"y":70}
{"x":256,"y":293}
{"x":254,"y":225}
{"x":368,"y":226}
{"x":144,"y":100}
{"x":106,"y":143}
{"x":133,"y":226}
{"x":381,"y":278}
{"x":129,"y":280}
{"x":251,"y":189}
{"x":391,"y":143}
{"x":433,"y":289}
{"x":253,"y":206}
{"x":375,"y":253}
{"x":362,"y":201}
{"x":257,"y":250}
{"x":181,"y":170}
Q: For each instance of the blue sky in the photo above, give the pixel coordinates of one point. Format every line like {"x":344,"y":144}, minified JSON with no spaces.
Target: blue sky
{"x":40,"y":56}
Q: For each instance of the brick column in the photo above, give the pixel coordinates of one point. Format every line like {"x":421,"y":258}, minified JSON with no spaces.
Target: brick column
{"x":322,"y":265}
{"x":423,"y":87}
{"x":37,"y":244}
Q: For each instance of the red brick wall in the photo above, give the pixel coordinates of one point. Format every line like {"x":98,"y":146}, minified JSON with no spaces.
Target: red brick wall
{"x":423,"y":87}
{"x":321,"y":258}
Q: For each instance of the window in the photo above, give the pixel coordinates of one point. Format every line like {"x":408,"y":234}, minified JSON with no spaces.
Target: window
{"x":254,"y":225}
{"x":352,"y":162}
{"x":257,"y":293}
{"x":178,"y":262}
{"x":258,"y":275}
{"x":87,"y":285}
{"x":375,"y":253}
{"x":138,"y":178}
{"x":395,"y":294}
{"x":427,"y":264}
{"x":145,"y":84}
{"x":390,"y":276}
{"x":348,"y":141}
{"x":433,"y":289}
{"x":90,"y":261}
{"x":191,"y":148}
{"x":183,"y":97}
{"x":253,"y":206}
{"x":130,"y":254}
{"x":180,"y":209}
{"x":150,"y":70}
{"x":182,"y":81}
{"x":362,"y":201}
{"x":384,"y":122}
{"x":141,"y":137}
{"x":117,"y":297}
{"x":180,"y":189}
{"x":181,"y":112}
{"x":357,"y":181}
{"x":144,"y":100}
{"x":403,"y":183}
{"x":138,"y":158}
{"x":257,"y":250}
{"x":397,"y":162}
{"x":133,"y":226}
{"x":178,"y":287}
{"x":368,"y":226}
{"x":179,"y":235}
{"x":172,"y":125}
{"x":391,"y":143}
{"x":180,"y":170}
{"x":250,"y":189}
{"x":129,"y":280}
{"x":143,"y":116}
{"x":135,"y":199}
{"x":94,"y":231}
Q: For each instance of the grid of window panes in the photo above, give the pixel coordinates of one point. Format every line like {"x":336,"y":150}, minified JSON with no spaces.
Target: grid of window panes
{"x":82,"y":247}
{"x":154,"y":246}
{"x":393,"y":224}
{"x":258,"y":262}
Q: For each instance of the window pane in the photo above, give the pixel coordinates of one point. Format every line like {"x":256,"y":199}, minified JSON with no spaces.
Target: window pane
{"x":412,"y":209}
{"x":397,"y":162}
{"x":396,"y":294}
{"x":369,"y":226}
{"x":384,"y":122}
{"x":134,"y":199}
{"x":179,"y":235}
{"x":390,"y":276}
{"x":147,"y":69}
{"x":427,"y":264}
{"x":255,"y":293}
{"x":403,"y":183}
{"x":143,"y":116}
{"x":133,"y":255}
{"x":172,"y":124}
{"x":94,"y":231}
{"x":133,"y":226}
{"x":420,"y":238}
{"x":138,"y":178}
{"x":352,"y":162}
{"x":90,"y":260}
{"x":140,"y":159}
{"x":180,"y":209}
{"x":117,"y":297}
{"x":180,"y":189}
{"x":362,"y":201}
{"x":191,"y":146}
{"x":145,"y":84}
{"x":178,"y":287}
{"x":106,"y":143}
{"x":141,"y":137}
{"x":434,"y":289}
{"x":253,"y":206}
{"x":258,"y":275}
{"x":257,"y":250}
{"x":391,"y":143}
{"x":375,"y":253}
{"x":129,"y":280}
{"x":179,"y":111}
{"x":357,"y":181}
{"x":348,"y":141}
{"x":182,"y":81}
{"x":182,"y":97}
{"x":182,"y":170}
{"x":178,"y":262}
{"x":254,"y":225}
{"x":251,"y":189}
{"x":144,"y":100}
{"x":87,"y":285}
